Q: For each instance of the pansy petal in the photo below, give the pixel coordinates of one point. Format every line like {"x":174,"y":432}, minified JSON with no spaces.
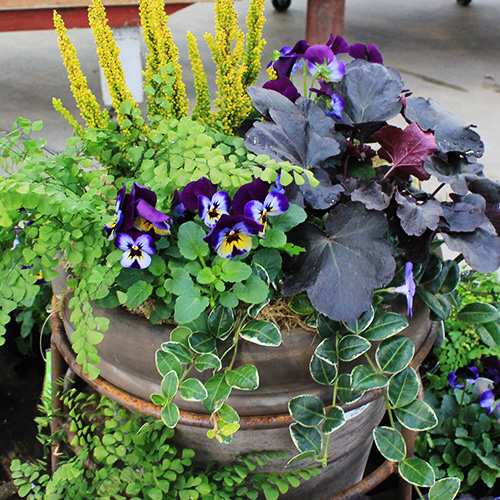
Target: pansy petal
{"x":189,"y":195}
{"x":124,"y":241}
{"x":204,"y":204}
{"x":234,"y":245}
{"x":276,"y":203}
{"x":143,"y":193}
{"x":255,"y":190}
{"x":336,"y":69}
{"x":146,"y":243}
{"x":150,"y":213}
{"x":254,"y":210}
{"x":222,"y":200}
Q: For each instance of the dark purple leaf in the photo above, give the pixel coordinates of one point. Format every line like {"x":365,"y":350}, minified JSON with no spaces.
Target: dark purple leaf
{"x":464,"y":215}
{"x":371,"y":195}
{"x":371,"y":93}
{"x":452,"y":168}
{"x":493,"y":214}
{"x":416,"y":217}
{"x":480,"y":249}
{"x":323,"y":196}
{"x":488,"y":189}
{"x":416,"y":248}
{"x":340,"y":269}
{"x":301,"y":133}
{"x":406,"y":149}
{"x":451,"y":133}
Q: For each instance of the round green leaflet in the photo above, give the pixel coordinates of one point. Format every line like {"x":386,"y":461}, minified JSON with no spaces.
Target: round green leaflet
{"x":307,"y":410}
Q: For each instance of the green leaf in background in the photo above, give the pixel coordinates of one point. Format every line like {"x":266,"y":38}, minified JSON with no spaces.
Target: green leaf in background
{"x":403,"y":387}
{"x":170,"y":414}
{"x":335,"y":418}
{"x":390,"y":443}
{"x":166,"y":361}
{"x":417,"y":471}
{"x":190,"y":241}
{"x":221,"y":321}
{"x":489,"y":333}
{"x":352,"y":346}
{"x":447,"y":280}
{"x":416,"y":416}
{"x":170,"y":384}
{"x":478,"y":313}
{"x":228,"y":414}
{"x":270,"y":260}
{"x":234,"y":271}
{"x":138,"y":293}
{"x":445,"y":489}
{"x":192,"y":389}
{"x":306,"y":438}
{"x":245,"y":377}
{"x":179,"y":351}
{"x":261,"y":332}
{"x":202,"y":343}
{"x":362,"y":323}
{"x":307,"y":410}
{"x":364,"y":378}
{"x":189,"y":306}
{"x":300,"y":304}
{"x":344,"y":391}
{"x":385,"y":325}
{"x":217,"y":389}
{"x":394,"y":354}
{"x":208,"y":361}
{"x":252,"y":291}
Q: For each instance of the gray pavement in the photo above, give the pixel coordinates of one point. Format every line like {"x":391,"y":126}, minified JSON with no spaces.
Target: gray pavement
{"x":443,"y":50}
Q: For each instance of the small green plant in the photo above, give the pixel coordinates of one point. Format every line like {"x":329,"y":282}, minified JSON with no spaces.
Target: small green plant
{"x":465,"y":443}
{"x":473,"y":328}
{"x":120,"y":455}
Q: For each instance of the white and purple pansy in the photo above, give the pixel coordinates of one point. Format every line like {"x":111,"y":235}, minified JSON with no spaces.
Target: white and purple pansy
{"x":210,"y":210}
{"x":322,"y":61}
{"x":189,"y":195}
{"x":232,"y":235}
{"x":490,"y":399}
{"x":334,"y":103}
{"x":274,"y":203}
{"x":136,"y":251}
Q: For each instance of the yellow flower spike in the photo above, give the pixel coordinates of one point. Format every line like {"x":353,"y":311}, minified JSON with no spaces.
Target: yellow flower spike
{"x":202,"y":110}
{"x":162,"y":51}
{"x":109,"y":61}
{"x":254,"y":43}
{"x":58,"y":106}
{"x":85,"y":99}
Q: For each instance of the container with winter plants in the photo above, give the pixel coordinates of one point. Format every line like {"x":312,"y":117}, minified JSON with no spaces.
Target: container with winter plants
{"x":278,"y":246}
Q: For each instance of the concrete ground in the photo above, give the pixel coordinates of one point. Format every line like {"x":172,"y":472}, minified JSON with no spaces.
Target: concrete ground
{"x":443,"y":50}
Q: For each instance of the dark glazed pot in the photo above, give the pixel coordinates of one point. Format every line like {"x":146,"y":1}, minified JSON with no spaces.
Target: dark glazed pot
{"x":127,"y":355}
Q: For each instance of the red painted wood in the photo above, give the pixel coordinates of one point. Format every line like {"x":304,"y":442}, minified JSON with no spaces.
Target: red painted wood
{"x":41,"y":19}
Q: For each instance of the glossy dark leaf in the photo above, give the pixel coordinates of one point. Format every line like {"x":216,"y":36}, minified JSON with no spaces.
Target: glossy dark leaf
{"x":489,"y":333}
{"x":306,"y":438}
{"x":395,"y":354}
{"x":481,"y":249}
{"x":416,"y":416}
{"x":406,"y":149}
{"x":478,"y":313}
{"x":301,"y":133}
{"x":245,"y":377}
{"x":221,"y":321}
{"x":371,"y":195}
{"x":403,"y":387}
{"x":464,"y":215}
{"x":453,"y":169}
{"x":352,"y":346}
{"x":341,"y":268}
{"x":307,"y":410}
{"x":447,"y":280}
{"x":371,"y":93}
{"x":361,"y":323}
{"x":364,"y":378}
{"x":217,"y":389}
{"x":202,"y":343}
{"x":415,"y":218}
{"x":439,"y":304}
{"x":452,"y":135}
{"x":390,"y":443}
{"x":385,"y":325}
{"x":335,"y":418}
{"x":344,"y":390}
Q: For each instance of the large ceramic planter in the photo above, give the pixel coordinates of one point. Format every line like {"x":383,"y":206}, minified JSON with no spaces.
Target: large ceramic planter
{"x":127,"y":355}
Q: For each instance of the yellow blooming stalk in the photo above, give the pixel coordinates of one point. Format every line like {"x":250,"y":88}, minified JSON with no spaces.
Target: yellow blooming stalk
{"x":254,"y":43}
{"x":228,"y":52}
{"x":109,"y":61}
{"x":162,"y":51}
{"x":58,"y":106}
{"x":202,"y":110}
{"x":85,"y":99}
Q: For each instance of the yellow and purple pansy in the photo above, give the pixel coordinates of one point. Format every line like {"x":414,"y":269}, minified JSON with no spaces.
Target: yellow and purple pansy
{"x":232,"y":235}
{"x":136,"y":251}
{"x":211,"y":209}
{"x":253,"y":200}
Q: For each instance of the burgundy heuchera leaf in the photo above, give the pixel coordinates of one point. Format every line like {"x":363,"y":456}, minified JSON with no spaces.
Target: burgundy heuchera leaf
{"x":406,"y":149}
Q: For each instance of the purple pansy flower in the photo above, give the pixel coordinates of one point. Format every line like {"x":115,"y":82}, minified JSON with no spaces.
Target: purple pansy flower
{"x":458,"y":378}
{"x":274,"y":203}
{"x":287,"y":63}
{"x":492,"y":366}
{"x":177,"y":207}
{"x":255,"y":190}
{"x":146,"y":217}
{"x":338,"y":45}
{"x":277,"y":185}
{"x":407,"y":288}
{"x":284,"y":86}
{"x":210,"y":210}
{"x":369,"y":53}
{"x":321,"y":60}
{"x":189,"y":195}
{"x":137,"y":251}
{"x":232,"y":235}
{"x":490,"y":399}
{"x":334,"y":103}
